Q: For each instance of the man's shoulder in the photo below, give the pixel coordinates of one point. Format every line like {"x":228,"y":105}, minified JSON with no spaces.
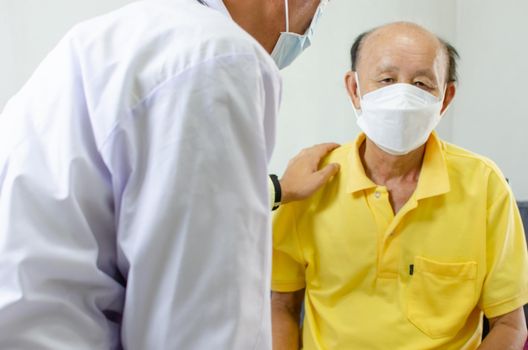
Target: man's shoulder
{"x":466,"y":162}
{"x":457,"y":155}
{"x":339,"y":155}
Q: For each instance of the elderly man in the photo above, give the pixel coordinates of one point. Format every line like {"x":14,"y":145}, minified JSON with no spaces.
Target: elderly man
{"x":415,"y":238}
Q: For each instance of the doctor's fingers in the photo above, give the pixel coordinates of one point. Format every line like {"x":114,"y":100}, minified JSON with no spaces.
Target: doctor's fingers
{"x":323,"y":149}
{"x":324,"y":175}
{"x":328,"y":171}
{"x":316,"y":153}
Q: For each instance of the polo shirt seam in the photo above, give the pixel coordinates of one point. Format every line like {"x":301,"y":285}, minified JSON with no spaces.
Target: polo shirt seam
{"x":495,"y":202}
{"x":504,"y":191}
{"x":483,"y":160}
{"x":488,"y":164}
{"x":287,"y":287}
{"x":298,"y":240}
{"x":518,"y":297}
{"x":288,"y":282}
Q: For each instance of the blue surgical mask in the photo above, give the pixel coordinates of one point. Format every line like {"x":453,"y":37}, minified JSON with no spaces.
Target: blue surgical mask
{"x":291,"y":45}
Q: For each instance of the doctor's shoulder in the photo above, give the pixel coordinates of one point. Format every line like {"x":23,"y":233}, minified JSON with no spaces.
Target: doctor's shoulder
{"x":228,"y":39}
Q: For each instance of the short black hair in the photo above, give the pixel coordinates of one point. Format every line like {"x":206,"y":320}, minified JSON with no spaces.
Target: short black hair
{"x":451,"y":52}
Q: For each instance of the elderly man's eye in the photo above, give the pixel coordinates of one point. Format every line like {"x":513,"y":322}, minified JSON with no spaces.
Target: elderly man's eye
{"x":422,"y":85}
{"x":387,"y":81}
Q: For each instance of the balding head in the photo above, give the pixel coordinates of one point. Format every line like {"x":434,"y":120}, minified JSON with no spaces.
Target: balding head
{"x":402,"y":52}
{"x":408,"y":31}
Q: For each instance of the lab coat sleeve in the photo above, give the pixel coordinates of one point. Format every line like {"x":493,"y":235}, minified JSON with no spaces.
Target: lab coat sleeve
{"x":190,"y":176}
{"x":57,"y":236}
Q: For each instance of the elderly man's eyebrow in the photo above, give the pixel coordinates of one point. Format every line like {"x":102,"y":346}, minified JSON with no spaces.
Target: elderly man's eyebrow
{"x":426,"y":72}
{"x":429,"y":73}
{"x":385,"y":69}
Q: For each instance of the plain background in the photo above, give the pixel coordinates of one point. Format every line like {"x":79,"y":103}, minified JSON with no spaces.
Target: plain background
{"x":489,"y":116}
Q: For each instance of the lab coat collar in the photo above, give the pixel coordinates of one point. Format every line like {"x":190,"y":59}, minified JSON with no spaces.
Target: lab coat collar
{"x":219,"y":6}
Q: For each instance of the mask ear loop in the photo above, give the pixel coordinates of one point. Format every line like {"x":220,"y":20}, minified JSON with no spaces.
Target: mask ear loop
{"x":287,"y":12}
{"x":357,"y":112}
{"x":358,"y":87}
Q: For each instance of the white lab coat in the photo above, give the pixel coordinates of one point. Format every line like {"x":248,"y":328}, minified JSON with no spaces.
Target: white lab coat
{"x":133,"y":187}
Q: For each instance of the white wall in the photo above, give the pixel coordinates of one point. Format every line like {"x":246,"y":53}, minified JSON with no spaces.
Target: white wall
{"x":29,"y":29}
{"x":488,"y":116}
{"x":492,"y":110}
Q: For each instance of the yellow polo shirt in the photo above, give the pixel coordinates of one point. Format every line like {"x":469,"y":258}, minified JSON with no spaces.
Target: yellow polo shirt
{"x":412,"y":281}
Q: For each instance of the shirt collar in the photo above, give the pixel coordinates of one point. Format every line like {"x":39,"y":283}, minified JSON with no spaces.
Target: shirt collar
{"x":219,"y":6}
{"x":358,"y":180}
{"x":434,"y":178}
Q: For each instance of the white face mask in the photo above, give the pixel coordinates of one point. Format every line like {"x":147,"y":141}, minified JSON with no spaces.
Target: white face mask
{"x":398,"y":118}
{"x":291,"y":45}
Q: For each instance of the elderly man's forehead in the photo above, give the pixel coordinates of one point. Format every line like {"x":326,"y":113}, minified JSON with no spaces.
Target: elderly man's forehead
{"x":408,"y":35}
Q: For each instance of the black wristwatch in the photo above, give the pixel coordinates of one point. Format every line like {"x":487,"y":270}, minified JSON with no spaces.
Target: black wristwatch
{"x":278,"y":192}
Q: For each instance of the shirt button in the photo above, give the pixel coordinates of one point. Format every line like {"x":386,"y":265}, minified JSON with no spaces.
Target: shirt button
{"x":377,"y":195}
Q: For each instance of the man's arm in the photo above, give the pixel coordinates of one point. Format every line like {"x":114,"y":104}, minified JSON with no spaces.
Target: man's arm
{"x":286,"y":318}
{"x":508,"y":332}
{"x":506,"y":283}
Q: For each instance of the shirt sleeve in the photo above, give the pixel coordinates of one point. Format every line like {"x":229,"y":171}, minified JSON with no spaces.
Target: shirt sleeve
{"x":288,"y":272}
{"x":194,"y":238}
{"x":506,"y":285}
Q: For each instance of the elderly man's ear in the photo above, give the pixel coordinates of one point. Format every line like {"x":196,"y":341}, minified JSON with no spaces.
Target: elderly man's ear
{"x":449,"y":96}
{"x":352,"y":88}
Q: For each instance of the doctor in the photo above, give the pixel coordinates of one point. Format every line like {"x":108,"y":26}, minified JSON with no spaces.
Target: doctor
{"x":134,"y":209}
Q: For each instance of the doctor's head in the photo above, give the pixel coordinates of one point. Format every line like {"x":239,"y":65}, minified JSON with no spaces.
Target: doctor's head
{"x":403,"y":79}
{"x":283,"y":27}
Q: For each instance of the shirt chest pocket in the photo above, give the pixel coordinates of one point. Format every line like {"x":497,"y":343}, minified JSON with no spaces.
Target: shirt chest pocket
{"x":441,"y":296}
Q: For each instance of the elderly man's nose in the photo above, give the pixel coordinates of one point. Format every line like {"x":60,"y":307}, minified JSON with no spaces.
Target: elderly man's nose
{"x":404,"y":80}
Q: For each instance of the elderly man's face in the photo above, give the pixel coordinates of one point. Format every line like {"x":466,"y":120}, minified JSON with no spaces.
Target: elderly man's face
{"x":401,"y":53}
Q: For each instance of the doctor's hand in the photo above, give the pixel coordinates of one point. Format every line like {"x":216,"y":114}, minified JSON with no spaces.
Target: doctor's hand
{"x":303,"y":177}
